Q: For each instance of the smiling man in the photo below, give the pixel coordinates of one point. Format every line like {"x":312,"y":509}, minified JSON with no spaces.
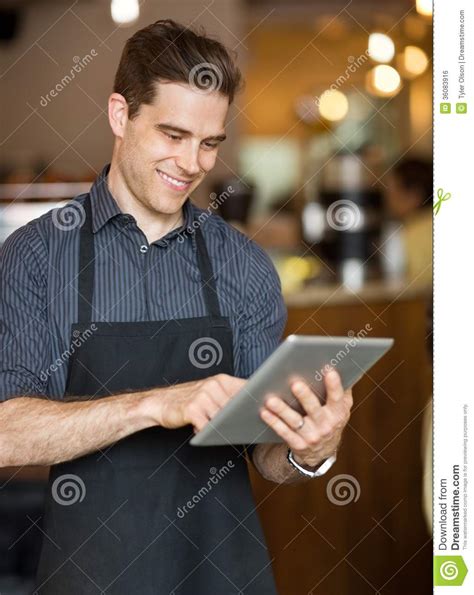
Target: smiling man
{"x":119,"y":341}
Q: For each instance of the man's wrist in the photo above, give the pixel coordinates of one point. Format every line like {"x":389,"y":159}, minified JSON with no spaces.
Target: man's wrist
{"x":147,"y":407}
{"x":311,"y":466}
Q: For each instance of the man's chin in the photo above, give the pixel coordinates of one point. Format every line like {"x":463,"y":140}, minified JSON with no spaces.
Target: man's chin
{"x":169,"y":205}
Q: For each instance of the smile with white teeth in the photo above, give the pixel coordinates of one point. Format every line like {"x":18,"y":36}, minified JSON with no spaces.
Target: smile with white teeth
{"x":176,"y":183}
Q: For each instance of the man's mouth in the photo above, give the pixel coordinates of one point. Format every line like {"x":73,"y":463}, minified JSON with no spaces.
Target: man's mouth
{"x":174,"y":183}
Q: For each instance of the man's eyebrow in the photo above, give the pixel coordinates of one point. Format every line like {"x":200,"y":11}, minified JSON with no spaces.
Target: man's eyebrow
{"x":172,"y":128}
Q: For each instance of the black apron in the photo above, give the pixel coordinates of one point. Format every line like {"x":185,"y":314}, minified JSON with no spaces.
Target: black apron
{"x":151,"y":514}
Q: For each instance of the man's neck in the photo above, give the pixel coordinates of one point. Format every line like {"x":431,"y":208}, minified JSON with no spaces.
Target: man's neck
{"x":154,"y":225}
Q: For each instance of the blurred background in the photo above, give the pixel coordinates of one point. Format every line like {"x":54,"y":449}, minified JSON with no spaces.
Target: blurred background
{"x":328,"y":166}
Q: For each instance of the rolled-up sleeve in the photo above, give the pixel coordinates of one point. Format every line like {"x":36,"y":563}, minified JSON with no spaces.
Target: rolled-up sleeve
{"x":24,"y":336}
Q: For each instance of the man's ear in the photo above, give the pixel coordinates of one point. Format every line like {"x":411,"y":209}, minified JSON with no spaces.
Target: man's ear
{"x":118,"y":114}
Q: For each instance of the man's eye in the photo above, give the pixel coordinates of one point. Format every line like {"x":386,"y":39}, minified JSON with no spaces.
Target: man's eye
{"x":172,"y":136}
{"x":211,"y":145}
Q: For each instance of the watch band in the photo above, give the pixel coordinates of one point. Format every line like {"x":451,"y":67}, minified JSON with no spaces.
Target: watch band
{"x":320,"y":470}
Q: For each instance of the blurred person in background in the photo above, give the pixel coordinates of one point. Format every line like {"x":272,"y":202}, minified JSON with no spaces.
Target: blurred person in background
{"x":408,"y":198}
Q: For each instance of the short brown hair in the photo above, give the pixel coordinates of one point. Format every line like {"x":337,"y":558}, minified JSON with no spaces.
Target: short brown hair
{"x":169,"y":52}
{"x":416,"y":174}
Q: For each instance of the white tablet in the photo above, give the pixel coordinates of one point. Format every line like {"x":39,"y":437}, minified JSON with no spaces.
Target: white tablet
{"x":299,"y":356}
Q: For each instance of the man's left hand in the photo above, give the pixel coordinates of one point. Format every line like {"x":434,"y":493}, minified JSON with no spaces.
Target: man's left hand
{"x":321,"y":427}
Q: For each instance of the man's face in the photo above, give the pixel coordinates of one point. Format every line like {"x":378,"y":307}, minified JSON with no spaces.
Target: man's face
{"x":168,"y":148}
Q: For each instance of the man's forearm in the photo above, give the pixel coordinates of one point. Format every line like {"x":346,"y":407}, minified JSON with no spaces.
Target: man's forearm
{"x":272,"y":464}
{"x":38,"y":431}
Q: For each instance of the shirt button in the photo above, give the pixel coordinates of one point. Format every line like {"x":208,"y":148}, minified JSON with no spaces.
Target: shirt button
{"x":143,"y":249}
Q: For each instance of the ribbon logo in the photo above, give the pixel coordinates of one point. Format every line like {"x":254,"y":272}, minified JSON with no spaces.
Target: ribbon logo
{"x":441,"y":198}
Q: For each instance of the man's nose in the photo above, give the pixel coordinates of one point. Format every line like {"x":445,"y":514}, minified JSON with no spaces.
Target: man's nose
{"x":188,"y":162}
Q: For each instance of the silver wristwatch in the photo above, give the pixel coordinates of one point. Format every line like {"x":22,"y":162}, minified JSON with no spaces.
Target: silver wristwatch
{"x":320,"y":470}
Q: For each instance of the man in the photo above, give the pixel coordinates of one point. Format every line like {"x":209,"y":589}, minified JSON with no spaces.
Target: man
{"x":129,"y":319}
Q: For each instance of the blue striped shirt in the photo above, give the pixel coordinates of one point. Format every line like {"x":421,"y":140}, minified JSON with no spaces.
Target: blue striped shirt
{"x":134,"y":281}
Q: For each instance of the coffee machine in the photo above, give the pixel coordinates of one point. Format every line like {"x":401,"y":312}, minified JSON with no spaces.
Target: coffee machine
{"x":342,"y":223}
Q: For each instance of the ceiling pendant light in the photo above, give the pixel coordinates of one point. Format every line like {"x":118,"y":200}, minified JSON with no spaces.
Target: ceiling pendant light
{"x":383,"y":81}
{"x":412,"y":62}
{"x":381,"y":47}
{"x":424,"y":7}
{"x":333,"y":105}
{"x":124,"y":12}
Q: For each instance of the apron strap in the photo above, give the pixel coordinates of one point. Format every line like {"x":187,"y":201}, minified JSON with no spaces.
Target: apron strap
{"x":86,"y":267}
{"x":209,"y":288}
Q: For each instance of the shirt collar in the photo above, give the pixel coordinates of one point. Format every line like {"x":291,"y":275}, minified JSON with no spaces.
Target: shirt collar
{"x":104,"y":206}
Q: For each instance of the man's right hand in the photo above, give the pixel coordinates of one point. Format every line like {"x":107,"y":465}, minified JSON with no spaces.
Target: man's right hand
{"x":194,"y":402}
{"x":40,"y":431}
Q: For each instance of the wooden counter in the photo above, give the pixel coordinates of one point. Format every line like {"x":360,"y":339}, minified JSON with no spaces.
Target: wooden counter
{"x":374,"y":292}
{"x":379,"y":541}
